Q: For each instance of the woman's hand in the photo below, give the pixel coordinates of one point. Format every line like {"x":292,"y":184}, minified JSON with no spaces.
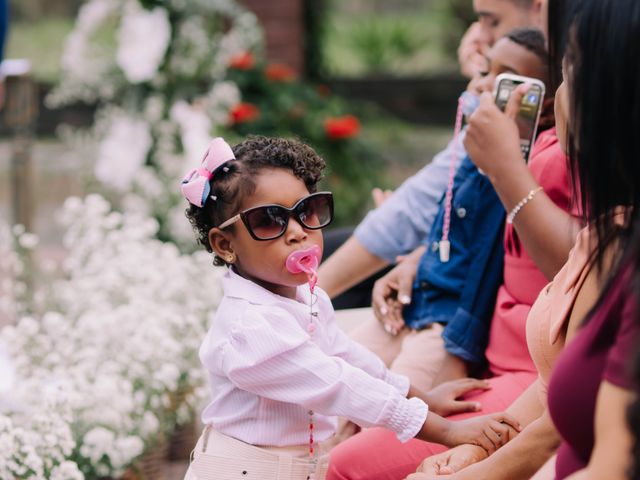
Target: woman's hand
{"x":443,"y":399}
{"x":492,"y":139}
{"x":489,"y":432}
{"x":393,"y":291}
{"x":453,"y":460}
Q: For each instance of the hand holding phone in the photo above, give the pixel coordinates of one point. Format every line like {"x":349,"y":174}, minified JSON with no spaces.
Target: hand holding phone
{"x":529,"y":113}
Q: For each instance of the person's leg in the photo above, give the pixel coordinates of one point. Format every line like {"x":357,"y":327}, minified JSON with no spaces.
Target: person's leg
{"x":377,"y":454}
{"x":372,"y":335}
{"x":421,"y":356}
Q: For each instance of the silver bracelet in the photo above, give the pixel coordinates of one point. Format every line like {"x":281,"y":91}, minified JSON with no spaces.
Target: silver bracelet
{"x":521,"y":203}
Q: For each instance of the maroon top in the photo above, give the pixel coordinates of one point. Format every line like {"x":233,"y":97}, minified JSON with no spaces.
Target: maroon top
{"x":601,"y":350}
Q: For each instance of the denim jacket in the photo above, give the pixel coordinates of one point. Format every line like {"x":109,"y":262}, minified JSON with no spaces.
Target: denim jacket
{"x":461,"y":293}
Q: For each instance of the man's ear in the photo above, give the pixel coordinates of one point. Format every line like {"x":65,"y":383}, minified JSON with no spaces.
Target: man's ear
{"x":220,"y":242}
{"x":547,"y":114}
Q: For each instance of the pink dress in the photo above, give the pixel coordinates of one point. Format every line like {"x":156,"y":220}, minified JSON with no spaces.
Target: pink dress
{"x":376,"y":453}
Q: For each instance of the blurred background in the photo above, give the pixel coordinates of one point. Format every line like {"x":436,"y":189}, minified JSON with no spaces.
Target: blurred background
{"x":107,"y":103}
{"x":394,"y":60}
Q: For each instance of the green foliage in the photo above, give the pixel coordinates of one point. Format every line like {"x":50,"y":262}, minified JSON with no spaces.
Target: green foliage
{"x":297,"y":109}
{"x":379,"y":44}
{"x":403,"y":42}
{"x":41,"y":42}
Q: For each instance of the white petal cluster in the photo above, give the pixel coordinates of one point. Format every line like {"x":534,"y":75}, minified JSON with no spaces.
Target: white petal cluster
{"x":16,"y":245}
{"x":158,"y":78}
{"x":123,"y":151}
{"x":37,"y":444}
{"x":143,"y":39}
{"x":120,"y":339}
{"x":195,"y":129}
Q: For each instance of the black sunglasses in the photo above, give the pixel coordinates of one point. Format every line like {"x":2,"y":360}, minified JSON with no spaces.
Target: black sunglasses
{"x":267,"y":222}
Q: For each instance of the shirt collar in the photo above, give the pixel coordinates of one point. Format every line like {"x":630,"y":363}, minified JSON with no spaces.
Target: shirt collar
{"x":236,"y":286}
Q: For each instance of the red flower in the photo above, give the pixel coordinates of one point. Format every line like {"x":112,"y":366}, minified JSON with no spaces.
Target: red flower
{"x":323,"y":90}
{"x":279,"y":72}
{"x":243,"y":61}
{"x":338,"y":128}
{"x":244,"y":113}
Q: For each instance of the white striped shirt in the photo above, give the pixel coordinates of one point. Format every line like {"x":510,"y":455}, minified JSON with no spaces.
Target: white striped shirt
{"x":266,"y":371}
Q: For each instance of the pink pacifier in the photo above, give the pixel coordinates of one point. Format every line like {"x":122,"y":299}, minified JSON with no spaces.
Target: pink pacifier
{"x":306,"y":261}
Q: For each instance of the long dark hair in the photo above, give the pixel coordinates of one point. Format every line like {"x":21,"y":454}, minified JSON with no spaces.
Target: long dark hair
{"x":557,"y":19}
{"x":603,"y":68}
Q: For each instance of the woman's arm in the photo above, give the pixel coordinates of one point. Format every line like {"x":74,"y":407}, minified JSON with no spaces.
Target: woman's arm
{"x":526,"y":409}
{"x":492,"y":141}
{"x":611,"y":454}
{"x":521,"y":457}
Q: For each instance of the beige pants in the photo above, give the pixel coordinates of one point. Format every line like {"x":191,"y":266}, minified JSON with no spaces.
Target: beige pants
{"x":219,"y":457}
{"x":418,"y":354}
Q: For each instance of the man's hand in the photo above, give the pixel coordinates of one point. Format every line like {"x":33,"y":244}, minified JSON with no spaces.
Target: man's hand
{"x":393,"y":291}
{"x":380,"y":196}
{"x":472,"y":51}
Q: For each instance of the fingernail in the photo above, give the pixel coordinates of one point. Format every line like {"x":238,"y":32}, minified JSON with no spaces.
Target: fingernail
{"x":477,"y":406}
{"x":405,"y":299}
{"x":383,"y":310}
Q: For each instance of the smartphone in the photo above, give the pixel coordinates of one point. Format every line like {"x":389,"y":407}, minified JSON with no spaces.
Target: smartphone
{"x":529,"y":114}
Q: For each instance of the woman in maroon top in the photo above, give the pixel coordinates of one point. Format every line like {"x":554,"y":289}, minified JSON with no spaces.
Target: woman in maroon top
{"x":633,"y":414}
{"x":592,"y":386}
{"x":591,"y":380}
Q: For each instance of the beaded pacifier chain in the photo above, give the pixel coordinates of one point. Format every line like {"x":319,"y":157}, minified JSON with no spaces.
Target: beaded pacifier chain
{"x":307,"y":261}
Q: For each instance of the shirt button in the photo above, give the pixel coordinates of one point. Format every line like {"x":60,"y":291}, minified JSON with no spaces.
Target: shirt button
{"x":424,"y":285}
{"x":462,"y":212}
{"x":435,"y":246}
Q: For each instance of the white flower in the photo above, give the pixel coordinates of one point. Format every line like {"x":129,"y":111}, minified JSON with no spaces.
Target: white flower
{"x":67,"y":470}
{"x":221,"y":99}
{"x":142,"y":41}
{"x":195,"y":129}
{"x":28,"y":241}
{"x":123,"y":151}
{"x":7,"y":378}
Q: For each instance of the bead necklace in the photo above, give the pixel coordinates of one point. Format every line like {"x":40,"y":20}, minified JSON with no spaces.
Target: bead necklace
{"x":311,"y":328}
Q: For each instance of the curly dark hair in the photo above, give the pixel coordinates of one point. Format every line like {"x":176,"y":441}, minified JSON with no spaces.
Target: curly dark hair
{"x":229,"y":187}
{"x":532,"y":39}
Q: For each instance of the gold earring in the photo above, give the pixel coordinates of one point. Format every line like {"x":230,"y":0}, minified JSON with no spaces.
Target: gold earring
{"x":230,"y":258}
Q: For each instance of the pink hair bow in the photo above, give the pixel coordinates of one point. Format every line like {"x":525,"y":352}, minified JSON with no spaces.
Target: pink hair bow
{"x":195,"y":185}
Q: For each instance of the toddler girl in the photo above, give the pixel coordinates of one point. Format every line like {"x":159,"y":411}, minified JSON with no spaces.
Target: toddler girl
{"x":280,"y":369}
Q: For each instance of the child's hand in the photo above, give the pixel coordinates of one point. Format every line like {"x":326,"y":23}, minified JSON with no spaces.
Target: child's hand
{"x":489,"y":432}
{"x":443,"y":399}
